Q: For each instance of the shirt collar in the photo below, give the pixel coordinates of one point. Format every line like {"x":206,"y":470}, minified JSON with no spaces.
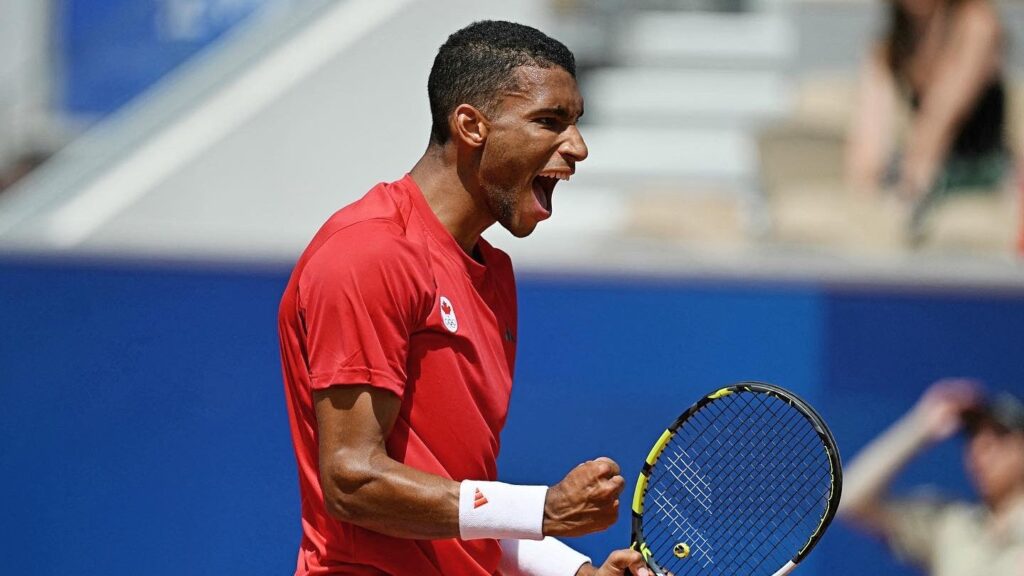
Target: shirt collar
{"x":449,"y":246}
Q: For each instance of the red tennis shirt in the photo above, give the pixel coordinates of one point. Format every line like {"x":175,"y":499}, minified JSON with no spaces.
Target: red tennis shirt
{"x":385,"y":296}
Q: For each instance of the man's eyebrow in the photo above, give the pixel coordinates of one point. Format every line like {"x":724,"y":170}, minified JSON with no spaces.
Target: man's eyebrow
{"x":558,"y":111}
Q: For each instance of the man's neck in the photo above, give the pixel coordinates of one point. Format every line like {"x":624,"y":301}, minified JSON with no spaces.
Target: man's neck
{"x":451,"y":195}
{"x":1008,"y":509}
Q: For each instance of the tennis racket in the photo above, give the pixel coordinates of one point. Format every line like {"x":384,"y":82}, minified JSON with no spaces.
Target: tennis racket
{"x":745,"y":482}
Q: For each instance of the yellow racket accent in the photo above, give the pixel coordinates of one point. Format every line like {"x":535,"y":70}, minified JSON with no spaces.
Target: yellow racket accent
{"x":720,"y":393}
{"x":638,"y":494}
{"x":658,"y":446}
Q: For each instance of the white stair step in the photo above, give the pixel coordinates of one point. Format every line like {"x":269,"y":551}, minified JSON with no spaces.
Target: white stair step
{"x":631,"y":154}
{"x":708,"y":38}
{"x":649,"y":95}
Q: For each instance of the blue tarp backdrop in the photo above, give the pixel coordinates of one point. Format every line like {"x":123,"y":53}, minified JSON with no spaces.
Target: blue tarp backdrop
{"x":112,"y":50}
{"x":143,"y":430}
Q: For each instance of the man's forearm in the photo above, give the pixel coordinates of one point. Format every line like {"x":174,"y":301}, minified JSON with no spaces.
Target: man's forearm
{"x":391,"y":498}
{"x":866,"y":478}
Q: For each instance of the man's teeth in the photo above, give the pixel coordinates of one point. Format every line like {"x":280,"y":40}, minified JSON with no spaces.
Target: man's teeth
{"x":556,"y":176}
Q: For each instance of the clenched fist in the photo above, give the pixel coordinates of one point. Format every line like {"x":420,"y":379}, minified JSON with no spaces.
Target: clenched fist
{"x":585,"y":501}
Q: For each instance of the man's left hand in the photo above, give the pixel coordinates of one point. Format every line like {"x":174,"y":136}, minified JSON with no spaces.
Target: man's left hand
{"x":617,"y":564}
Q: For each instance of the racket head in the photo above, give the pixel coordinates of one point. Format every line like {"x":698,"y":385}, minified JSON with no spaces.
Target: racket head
{"x":745,"y":481}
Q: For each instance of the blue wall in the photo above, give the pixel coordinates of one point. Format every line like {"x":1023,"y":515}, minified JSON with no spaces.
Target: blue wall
{"x":143,"y":411}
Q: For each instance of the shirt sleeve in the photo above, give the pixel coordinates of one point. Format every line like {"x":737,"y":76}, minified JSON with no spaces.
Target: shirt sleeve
{"x":361,"y":296}
{"x":911,"y":528}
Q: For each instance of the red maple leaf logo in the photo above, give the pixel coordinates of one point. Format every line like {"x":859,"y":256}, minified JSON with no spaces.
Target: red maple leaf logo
{"x":445,"y":308}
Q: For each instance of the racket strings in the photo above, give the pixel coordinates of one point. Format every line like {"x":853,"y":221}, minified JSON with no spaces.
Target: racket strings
{"x":749,"y":446}
{"x":757,"y":520}
{"x":790,"y":486}
{"x":760,"y":508}
{"x":808,"y":439}
{"x":672,"y":466}
{"x":767,"y":526}
{"x":748,"y":469}
{"x":730,"y":477}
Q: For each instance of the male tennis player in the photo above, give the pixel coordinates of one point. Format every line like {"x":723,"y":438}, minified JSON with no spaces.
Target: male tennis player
{"x":398,"y":336}
{"x":948,"y":538}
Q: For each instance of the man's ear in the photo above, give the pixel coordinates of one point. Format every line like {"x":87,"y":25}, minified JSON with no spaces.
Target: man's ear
{"x":469,"y":125}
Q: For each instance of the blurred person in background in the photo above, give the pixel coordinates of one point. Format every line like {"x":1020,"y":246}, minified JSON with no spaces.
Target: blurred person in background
{"x":943,"y":59}
{"x":948,"y":538}
{"x":21,"y":167}
{"x":398,"y":339}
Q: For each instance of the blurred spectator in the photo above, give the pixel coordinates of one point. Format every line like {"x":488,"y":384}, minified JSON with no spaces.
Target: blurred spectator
{"x":944,"y":59}
{"x":948,"y":538}
{"x":20,"y":167}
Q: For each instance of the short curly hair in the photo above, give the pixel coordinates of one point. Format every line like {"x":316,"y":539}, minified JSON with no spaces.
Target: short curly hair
{"x":476,"y":65}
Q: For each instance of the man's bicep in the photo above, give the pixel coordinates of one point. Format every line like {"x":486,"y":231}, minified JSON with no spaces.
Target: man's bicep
{"x":354,"y":418}
{"x":362,"y":484}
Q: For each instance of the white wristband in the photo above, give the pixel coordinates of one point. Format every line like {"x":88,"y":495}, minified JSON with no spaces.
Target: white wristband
{"x":499,"y":510}
{"x":547,"y":557}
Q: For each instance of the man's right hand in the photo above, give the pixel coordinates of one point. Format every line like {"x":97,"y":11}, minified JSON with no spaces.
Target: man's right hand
{"x":585,"y":501}
{"x":937,"y":414}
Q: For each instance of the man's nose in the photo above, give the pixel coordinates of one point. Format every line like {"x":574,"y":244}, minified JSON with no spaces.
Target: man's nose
{"x":574,"y":146}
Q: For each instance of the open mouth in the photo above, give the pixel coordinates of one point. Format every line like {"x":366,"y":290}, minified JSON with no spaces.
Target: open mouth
{"x":544,"y":187}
